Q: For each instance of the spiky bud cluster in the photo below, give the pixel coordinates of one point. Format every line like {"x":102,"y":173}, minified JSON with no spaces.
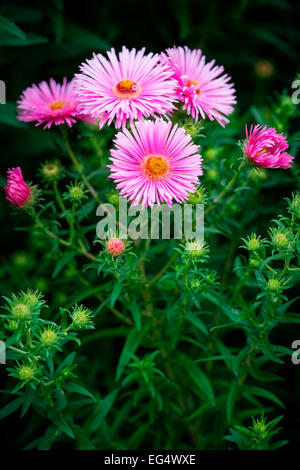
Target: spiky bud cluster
{"x":198,"y":197}
{"x":81,"y":318}
{"x":51,"y":171}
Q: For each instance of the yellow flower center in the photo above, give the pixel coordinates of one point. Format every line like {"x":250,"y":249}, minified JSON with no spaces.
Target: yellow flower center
{"x":57,"y":104}
{"x":193,"y":82}
{"x":126,"y":89}
{"x":155,"y":167}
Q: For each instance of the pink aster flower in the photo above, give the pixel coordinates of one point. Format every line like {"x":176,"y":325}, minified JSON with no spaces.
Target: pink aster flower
{"x":17,"y":192}
{"x":266,"y":148}
{"x":156,"y":163}
{"x":202,"y":87}
{"x":49,"y":104}
{"x":131,"y":86}
{"x":115,"y":246}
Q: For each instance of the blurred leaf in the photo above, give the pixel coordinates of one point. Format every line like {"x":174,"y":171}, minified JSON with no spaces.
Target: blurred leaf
{"x":8,"y":26}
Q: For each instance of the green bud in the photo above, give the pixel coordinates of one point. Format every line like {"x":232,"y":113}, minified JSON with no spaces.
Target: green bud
{"x":279,"y":240}
{"x":192,"y":127}
{"x":76,"y":193}
{"x":295,"y":205}
{"x":81,"y":318}
{"x":197,"y":250}
{"x":21,"y":312}
{"x":113,"y":197}
{"x":274,"y":284}
{"x":198,"y":197}
{"x":212,"y":174}
{"x":49,"y":337}
{"x":20,"y":259}
{"x":51,"y":171}
{"x":253,"y":242}
{"x":211,"y":153}
{"x":196,"y":284}
{"x":25,"y":372}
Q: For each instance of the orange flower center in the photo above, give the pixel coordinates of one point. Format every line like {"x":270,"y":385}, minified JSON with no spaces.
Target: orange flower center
{"x":193,"y":82}
{"x":155,"y":166}
{"x":57,"y":104}
{"x":126,"y":89}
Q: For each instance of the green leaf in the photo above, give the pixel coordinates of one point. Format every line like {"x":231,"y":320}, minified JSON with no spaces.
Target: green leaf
{"x":8,"y":114}
{"x":84,"y":37}
{"x":11,"y":407}
{"x":136,"y":313}
{"x":132,"y":342}
{"x":261,"y":392}
{"x":198,"y":376}
{"x":66,"y":362}
{"x":48,"y":438}
{"x":231,"y":400}
{"x":9,"y":27}
{"x":75,"y":388}
{"x":102,"y":410}
{"x":31,"y":39}
{"x":62,"y":262}
{"x":28,"y":398}
{"x":115,"y":292}
{"x":194,"y":320}
{"x":62,"y":424}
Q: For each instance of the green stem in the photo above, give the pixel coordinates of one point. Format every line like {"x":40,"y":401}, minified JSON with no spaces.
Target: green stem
{"x":63,"y":242}
{"x":226,"y":189}
{"x":77,"y":165}
{"x":164,"y":268}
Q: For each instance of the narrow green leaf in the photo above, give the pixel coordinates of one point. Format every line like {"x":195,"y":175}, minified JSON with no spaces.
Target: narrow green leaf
{"x":9,"y":27}
{"x":11,"y":407}
{"x":136,"y":313}
{"x":75,"y":388}
{"x":194,"y":320}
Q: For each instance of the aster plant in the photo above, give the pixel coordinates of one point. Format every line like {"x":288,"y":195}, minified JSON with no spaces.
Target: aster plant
{"x":161,"y":344}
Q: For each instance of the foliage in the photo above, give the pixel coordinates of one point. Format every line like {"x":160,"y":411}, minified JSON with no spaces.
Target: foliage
{"x":160,"y":347}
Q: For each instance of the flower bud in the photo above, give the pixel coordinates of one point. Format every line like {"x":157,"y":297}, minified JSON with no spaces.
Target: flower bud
{"x":279,"y":240}
{"x":81,"y":318}
{"x":49,"y":337}
{"x":211,"y":153}
{"x":115,"y":246}
{"x":113,"y":197}
{"x":198,"y":197}
{"x":197,"y":250}
{"x":259,"y":429}
{"x":18,"y":193}
{"x":295,"y":205}
{"x":25,"y":372}
{"x":21,"y":312}
{"x":212,"y":174}
{"x":196,"y":284}
{"x":76,"y":193}
{"x":193,"y":128}
{"x":253,"y":242}
{"x":51,"y":171}
{"x":274,"y":284}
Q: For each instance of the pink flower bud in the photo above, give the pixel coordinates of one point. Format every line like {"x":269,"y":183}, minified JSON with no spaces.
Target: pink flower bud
{"x":17,"y":191}
{"x":115,"y":246}
{"x":267,"y":148}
